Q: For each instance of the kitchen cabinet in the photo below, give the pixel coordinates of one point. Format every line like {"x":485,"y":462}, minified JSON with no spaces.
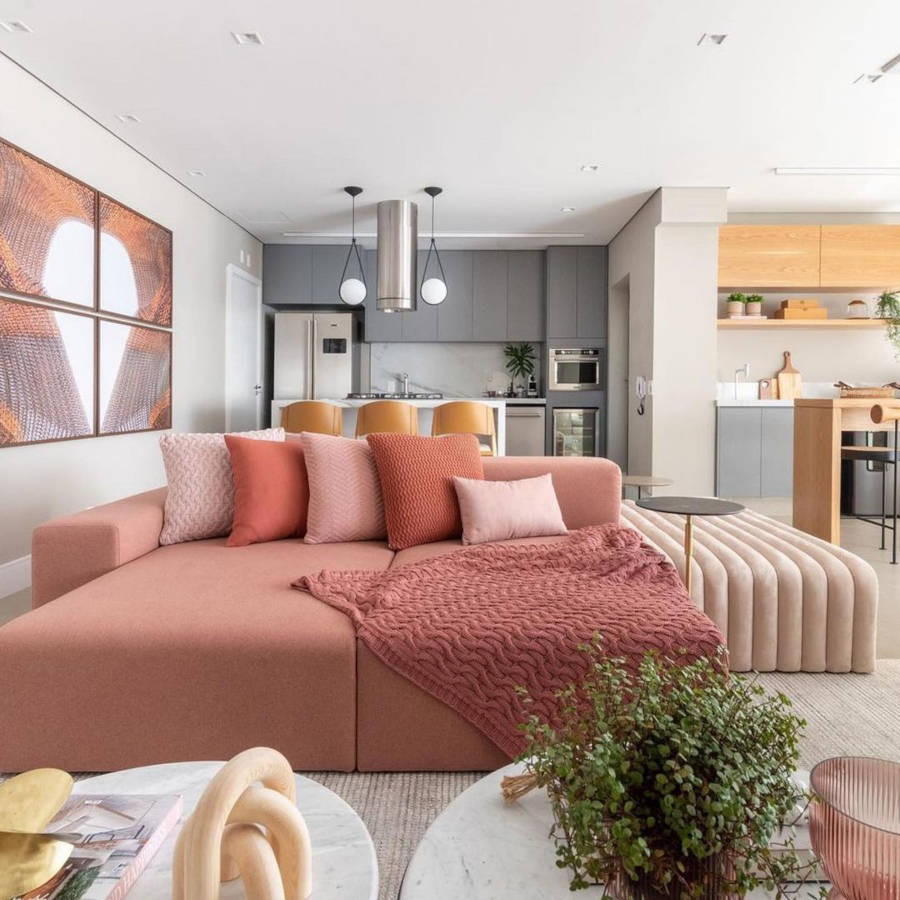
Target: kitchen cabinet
{"x":768,"y":256}
{"x":855,"y":256}
{"x":490,"y":288}
{"x":327,"y":266}
{"x":525,"y":296}
{"x":576,"y":292}
{"x":380,"y":327}
{"x":287,"y":274}
{"x":754,"y":451}
{"x":455,"y":314}
{"x":525,"y":430}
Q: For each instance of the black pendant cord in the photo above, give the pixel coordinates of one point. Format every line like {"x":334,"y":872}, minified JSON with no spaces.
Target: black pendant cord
{"x":432,"y":246}
{"x":354,"y":248}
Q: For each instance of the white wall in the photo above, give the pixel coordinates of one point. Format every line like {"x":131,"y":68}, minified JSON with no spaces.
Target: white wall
{"x":41,"y":481}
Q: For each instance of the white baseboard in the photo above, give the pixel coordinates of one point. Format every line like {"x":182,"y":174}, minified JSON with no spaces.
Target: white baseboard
{"x":15,"y":576}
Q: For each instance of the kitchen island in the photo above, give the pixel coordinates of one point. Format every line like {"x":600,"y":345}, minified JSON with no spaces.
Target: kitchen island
{"x":425,"y":407}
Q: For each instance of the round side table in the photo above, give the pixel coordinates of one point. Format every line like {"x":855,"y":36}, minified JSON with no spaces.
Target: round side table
{"x":690,"y":507}
{"x":641,"y":482}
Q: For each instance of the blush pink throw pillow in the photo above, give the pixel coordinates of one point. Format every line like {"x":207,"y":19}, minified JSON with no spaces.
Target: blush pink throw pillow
{"x":501,"y":510}
{"x":344,"y":492}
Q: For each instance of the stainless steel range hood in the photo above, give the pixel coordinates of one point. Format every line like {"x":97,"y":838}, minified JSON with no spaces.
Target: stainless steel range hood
{"x":398,"y":237}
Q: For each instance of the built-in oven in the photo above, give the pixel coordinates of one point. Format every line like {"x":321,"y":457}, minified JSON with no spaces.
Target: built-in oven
{"x":576,"y":369}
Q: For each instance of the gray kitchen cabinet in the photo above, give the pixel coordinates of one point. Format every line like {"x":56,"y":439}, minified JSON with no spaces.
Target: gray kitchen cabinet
{"x":525,"y":296}
{"x":738,"y":452}
{"x":287,"y":274}
{"x":562,"y":292}
{"x":327,"y":266}
{"x":590,"y":298}
{"x":777,"y":452}
{"x":490,"y":279}
{"x":454,"y":315}
{"x":422,"y":325}
{"x":525,"y":427}
{"x":380,"y":327}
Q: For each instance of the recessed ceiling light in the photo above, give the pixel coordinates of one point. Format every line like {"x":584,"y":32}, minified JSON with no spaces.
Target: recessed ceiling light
{"x":16,"y":27}
{"x":567,"y":209}
{"x":709,"y":37}
{"x":128,"y":118}
{"x":196,"y":173}
{"x":590,"y":167}
{"x":838,"y":170}
{"x":247,"y":37}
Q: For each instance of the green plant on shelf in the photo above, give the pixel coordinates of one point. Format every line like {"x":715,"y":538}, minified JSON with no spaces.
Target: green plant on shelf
{"x":887,"y":306}
{"x":519,"y":360}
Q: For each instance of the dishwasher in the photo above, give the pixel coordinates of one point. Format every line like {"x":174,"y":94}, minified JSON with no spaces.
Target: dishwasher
{"x":525,"y":429}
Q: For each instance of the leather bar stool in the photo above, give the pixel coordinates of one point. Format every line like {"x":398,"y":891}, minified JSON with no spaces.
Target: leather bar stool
{"x":314,"y":416}
{"x":466,"y":417}
{"x":391,"y":416}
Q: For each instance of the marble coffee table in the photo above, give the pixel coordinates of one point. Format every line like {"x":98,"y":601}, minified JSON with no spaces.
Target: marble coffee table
{"x":482,"y":848}
{"x":344,"y":864}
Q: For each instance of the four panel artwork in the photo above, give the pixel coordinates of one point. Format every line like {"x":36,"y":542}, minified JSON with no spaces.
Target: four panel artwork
{"x":86,"y":343}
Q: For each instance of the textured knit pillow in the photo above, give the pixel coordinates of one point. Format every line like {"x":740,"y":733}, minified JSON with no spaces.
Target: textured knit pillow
{"x":501,"y":510}
{"x":416,"y":476}
{"x":271,"y":493}
{"x":200,"y":501}
{"x":344,"y":492}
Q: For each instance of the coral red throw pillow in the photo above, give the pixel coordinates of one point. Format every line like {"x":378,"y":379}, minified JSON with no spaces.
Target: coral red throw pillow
{"x":416,"y":473}
{"x":271,"y":492}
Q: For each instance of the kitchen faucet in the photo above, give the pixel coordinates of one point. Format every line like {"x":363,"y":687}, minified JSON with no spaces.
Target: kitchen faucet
{"x":405,"y":377}
{"x":741,"y":374}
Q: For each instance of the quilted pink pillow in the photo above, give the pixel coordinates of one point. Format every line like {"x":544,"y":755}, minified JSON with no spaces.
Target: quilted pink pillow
{"x":502,"y":510}
{"x":200,"y":501}
{"x":345,"y":502}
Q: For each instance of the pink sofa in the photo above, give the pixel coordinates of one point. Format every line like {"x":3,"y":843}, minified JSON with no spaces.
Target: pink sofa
{"x":137,"y":654}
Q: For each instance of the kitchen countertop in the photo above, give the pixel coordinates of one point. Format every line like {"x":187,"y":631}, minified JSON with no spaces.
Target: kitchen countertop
{"x":753,"y":403}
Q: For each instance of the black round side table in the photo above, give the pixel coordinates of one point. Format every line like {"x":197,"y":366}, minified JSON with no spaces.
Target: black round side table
{"x":690,"y":507}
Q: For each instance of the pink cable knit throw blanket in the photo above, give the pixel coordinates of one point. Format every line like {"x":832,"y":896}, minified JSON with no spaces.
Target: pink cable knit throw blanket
{"x":471,"y":626}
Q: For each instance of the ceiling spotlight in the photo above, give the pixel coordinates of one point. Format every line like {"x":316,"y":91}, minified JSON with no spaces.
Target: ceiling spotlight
{"x":196,"y":173}
{"x":567,"y":209}
{"x":590,"y":167}
{"x":247,"y":37}
{"x":16,"y":27}
{"x":709,"y":37}
{"x":128,"y":118}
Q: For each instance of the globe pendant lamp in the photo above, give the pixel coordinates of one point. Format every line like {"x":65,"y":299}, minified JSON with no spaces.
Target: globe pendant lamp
{"x":434,"y":289}
{"x":353,"y":289}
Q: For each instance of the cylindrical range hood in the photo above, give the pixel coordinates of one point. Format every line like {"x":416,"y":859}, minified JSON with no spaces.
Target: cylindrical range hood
{"x":398,"y":237}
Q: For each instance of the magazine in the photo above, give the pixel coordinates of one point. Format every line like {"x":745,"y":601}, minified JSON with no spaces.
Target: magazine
{"x":115,"y":836}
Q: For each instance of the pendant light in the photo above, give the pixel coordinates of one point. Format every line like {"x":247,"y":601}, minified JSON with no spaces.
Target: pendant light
{"x":433,"y":290}
{"x":353,"y":290}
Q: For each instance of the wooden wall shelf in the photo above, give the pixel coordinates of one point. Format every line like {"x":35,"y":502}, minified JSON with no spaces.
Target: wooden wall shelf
{"x":801,"y":323}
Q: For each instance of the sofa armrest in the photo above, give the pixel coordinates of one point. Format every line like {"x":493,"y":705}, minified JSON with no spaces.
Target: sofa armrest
{"x":589,"y":489}
{"x":69,"y":552}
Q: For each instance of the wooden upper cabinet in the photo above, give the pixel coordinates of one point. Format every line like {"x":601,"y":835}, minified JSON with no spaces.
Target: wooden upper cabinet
{"x":857,"y":256}
{"x":769,"y":256}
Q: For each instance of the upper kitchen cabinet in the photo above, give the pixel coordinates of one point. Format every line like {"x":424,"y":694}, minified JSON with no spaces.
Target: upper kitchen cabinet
{"x":421,"y":325}
{"x":327,"y":266}
{"x":287,"y":274}
{"x":490,"y":280}
{"x":380,"y":327}
{"x":525,"y":296}
{"x":857,"y":256}
{"x":454,"y":315}
{"x":768,"y":256}
{"x":576,"y":292}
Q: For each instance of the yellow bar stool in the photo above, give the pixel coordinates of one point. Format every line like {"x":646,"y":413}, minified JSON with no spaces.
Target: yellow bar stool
{"x":314,"y":416}
{"x":466,"y":417}
{"x":391,"y":416}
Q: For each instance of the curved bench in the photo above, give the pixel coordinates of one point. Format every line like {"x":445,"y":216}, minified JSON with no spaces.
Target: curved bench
{"x":785,"y":600}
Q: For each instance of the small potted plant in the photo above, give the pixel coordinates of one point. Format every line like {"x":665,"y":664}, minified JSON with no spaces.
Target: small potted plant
{"x":668,"y":779}
{"x":519,"y":361}
{"x":754,"y":304}
{"x":887,"y":306}
{"x":735,"y":304}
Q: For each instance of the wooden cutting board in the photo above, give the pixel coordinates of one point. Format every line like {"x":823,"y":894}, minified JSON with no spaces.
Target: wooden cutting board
{"x":768,"y":389}
{"x":790,"y":385}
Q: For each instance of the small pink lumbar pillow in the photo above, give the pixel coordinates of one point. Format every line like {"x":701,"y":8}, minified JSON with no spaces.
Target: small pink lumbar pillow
{"x":345,"y":502}
{"x":501,"y":510}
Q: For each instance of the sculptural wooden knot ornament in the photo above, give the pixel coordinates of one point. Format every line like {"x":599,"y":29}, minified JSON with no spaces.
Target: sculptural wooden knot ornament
{"x":240,"y":829}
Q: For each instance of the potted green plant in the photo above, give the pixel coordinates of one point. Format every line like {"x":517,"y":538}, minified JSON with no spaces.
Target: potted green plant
{"x":519,"y":360}
{"x":753,"y":304}
{"x":735,"y":304}
{"x":887,"y":306}
{"x":668,"y":780}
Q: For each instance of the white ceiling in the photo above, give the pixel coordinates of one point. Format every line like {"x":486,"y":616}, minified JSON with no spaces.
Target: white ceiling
{"x":498,"y":101}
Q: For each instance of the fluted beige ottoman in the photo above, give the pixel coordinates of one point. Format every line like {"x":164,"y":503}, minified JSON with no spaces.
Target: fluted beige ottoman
{"x":784,"y":600}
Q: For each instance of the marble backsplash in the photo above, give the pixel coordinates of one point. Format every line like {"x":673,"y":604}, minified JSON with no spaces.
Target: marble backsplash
{"x":454,"y":370}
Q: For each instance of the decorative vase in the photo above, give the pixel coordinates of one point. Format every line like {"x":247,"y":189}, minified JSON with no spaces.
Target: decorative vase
{"x":754,"y":308}
{"x":854,"y":826}
{"x":735,"y":308}
{"x":711,"y":873}
{"x":857,"y":309}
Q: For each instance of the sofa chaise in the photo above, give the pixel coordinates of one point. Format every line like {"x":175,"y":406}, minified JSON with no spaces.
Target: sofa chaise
{"x":137,"y":654}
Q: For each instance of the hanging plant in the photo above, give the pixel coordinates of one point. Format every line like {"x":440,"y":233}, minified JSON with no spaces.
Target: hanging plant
{"x":887,"y":306}
{"x":519,"y":360}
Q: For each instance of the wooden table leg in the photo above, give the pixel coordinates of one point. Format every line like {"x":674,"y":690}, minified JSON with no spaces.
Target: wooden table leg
{"x":688,"y":550}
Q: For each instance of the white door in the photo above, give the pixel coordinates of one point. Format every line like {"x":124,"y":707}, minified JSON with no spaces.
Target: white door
{"x":243,"y":351}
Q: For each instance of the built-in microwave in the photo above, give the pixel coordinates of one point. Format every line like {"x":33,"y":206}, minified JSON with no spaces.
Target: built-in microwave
{"x":576,"y":369}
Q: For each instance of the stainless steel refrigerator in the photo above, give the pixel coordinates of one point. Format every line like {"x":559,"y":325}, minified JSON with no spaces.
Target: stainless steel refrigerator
{"x":313,"y":356}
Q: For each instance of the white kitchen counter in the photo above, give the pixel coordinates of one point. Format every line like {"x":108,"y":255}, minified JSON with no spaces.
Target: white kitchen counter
{"x":754,"y":403}
{"x":425,"y":407}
